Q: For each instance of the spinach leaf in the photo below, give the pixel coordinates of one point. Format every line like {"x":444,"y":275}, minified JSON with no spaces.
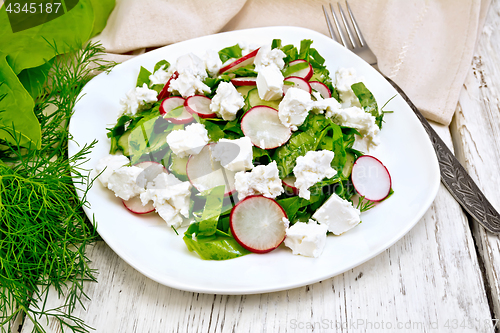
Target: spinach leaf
{"x":102,"y":9}
{"x":368,"y":102}
{"x":18,"y":123}
{"x":230,"y":52}
{"x":34,"y":78}
{"x":207,"y":223}
{"x":143,"y":77}
{"x":162,"y":63}
{"x":217,"y":247}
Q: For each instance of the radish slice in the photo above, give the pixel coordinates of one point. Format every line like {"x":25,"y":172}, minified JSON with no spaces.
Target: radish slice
{"x":241,"y":62}
{"x":164,"y":93}
{"x":371,"y":178}
{"x":199,"y":105}
{"x":205,"y":173}
{"x":289,"y":183}
{"x":264,"y":128}
{"x":321,"y":88}
{"x":305,"y":73}
{"x":257,"y":224}
{"x":298,"y":82}
{"x":151,"y":171}
{"x":174,"y":102}
{"x":244,"y":81}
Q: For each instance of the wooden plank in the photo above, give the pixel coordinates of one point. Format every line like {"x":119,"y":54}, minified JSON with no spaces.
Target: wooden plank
{"x":476,"y":134}
{"x":429,"y":278}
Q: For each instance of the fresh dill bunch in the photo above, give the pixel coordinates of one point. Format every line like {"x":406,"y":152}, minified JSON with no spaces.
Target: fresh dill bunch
{"x":364,"y":204}
{"x":44,"y":232}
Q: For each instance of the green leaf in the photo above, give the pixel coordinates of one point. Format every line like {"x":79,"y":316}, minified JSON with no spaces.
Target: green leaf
{"x":143,"y":77}
{"x":215,"y":247}
{"x":230,"y":52}
{"x":35,"y":46}
{"x":212,"y":211}
{"x":16,"y":110}
{"x":368,"y":102}
{"x":160,"y":64}
{"x":102,"y":9}
{"x":138,"y":140}
{"x":295,"y":68}
{"x":34,"y":78}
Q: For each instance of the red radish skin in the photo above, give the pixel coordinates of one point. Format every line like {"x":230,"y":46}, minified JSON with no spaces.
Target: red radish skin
{"x":171,"y":103}
{"x":289,"y":183}
{"x":257,"y":224}
{"x":305,"y":73}
{"x":198,"y":167}
{"x":298,"y":83}
{"x":134,"y":204}
{"x":264,"y":128}
{"x":371,"y":179}
{"x":199,"y":105}
{"x":244,"y":81}
{"x":164,"y":93}
{"x":321,"y":88}
{"x":241,"y":62}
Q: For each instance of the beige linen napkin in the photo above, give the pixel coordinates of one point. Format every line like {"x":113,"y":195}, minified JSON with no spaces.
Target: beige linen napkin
{"x":425,"y":46}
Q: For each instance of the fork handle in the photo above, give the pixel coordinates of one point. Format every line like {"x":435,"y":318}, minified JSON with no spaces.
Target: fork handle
{"x":455,"y":177}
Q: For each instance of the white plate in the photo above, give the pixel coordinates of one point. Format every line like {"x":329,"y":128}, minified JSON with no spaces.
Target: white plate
{"x":151,"y":247}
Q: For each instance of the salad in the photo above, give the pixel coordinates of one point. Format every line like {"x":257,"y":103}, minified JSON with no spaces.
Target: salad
{"x":248,"y":147}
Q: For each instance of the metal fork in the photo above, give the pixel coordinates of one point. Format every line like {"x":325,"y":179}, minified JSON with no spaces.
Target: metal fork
{"x":453,"y":174}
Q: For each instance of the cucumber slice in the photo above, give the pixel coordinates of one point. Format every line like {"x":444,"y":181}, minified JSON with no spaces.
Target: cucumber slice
{"x":254,"y":100}
{"x":123,"y":143}
{"x":243,"y":90}
{"x":346,"y":171}
{"x":178,"y":167}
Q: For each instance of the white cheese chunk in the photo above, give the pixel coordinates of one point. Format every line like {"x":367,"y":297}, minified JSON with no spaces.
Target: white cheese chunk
{"x":212,"y":62}
{"x":161,"y":75}
{"x":312,"y":168}
{"x":359,"y":119}
{"x":234,"y":155}
{"x":227,"y":101}
{"x":338,"y":215}
{"x":344,"y":79}
{"x":123,"y":181}
{"x":270,"y":83}
{"x":189,"y":141}
{"x":107,"y":165}
{"x":137,"y":98}
{"x":307,"y":239}
{"x":263,"y":179}
{"x":171,"y":198}
{"x":294,"y":107}
{"x":266,"y":57}
{"x":246,"y":48}
{"x":327,"y":106}
{"x":192,"y":72}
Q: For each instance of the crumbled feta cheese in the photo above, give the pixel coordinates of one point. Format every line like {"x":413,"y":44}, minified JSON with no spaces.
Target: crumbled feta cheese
{"x":234,"y":155}
{"x":267,"y":57}
{"x":188,"y":85}
{"x":337,"y":214}
{"x":123,"y":181}
{"x":191,"y":64}
{"x":161,"y":76}
{"x":189,"y":141}
{"x":136,"y":98}
{"x":359,"y":119}
{"x":263,"y":179}
{"x":246,"y":48}
{"x":294,"y":107}
{"x":312,"y":168}
{"x":270,"y":83}
{"x":107,"y":165}
{"x":365,"y":144}
{"x":344,"y":79}
{"x":212,"y":62}
{"x":227,"y":101}
{"x":328,"y":106}
{"x":170,"y":197}
{"x":307,"y":239}
{"x":192,"y":72}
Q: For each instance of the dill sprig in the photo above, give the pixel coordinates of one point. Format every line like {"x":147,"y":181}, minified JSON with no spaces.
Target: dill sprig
{"x":364,"y":204}
{"x":44,"y":232}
